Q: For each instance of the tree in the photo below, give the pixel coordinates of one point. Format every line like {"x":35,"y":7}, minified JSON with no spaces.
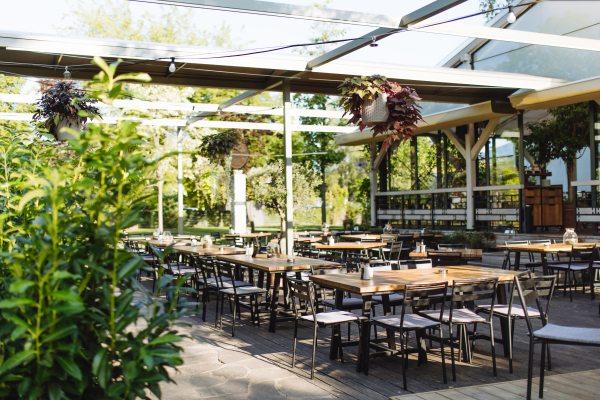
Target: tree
{"x":490,"y":5}
{"x":267,"y":187}
{"x":562,"y":136}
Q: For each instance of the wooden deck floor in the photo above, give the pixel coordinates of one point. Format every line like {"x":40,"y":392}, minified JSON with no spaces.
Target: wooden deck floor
{"x":341,"y":380}
{"x":576,"y":385}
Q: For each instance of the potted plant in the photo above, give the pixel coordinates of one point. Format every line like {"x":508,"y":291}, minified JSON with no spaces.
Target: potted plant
{"x":217,"y":148}
{"x":385,"y":106}
{"x":63,"y":105}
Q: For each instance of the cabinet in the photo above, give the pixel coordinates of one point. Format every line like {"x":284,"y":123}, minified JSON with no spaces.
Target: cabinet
{"x":547,"y":204}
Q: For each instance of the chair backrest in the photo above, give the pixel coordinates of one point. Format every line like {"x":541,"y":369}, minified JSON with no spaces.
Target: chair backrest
{"x":419,"y":263}
{"x":369,"y":240}
{"x":582,"y":252}
{"x":395,"y":251}
{"x":464,"y":290}
{"x":381,"y":266}
{"x":541,"y":241}
{"x":513,"y":242}
{"x":452,"y":246}
{"x":335,"y":256}
{"x":215,"y":235}
{"x":544,"y":285}
{"x":226,"y":272}
{"x":389,"y":238}
{"x":302,"y":292}
{"x":527,"y":291}
{"x":352,"y":263}
{"x":445,"y":259}
{"x":315,"y":270}
{"x":423,"y":297}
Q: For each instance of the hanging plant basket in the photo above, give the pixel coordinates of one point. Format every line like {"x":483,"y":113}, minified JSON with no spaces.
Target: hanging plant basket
{"x":72,"y":123}
{"x":386,"y":107}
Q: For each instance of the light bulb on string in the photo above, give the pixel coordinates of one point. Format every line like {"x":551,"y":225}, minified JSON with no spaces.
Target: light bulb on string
{"x":67,"y":73}
{"x":511,"y":18}
{"x":373,"y":44}
{"x":172,"y":67}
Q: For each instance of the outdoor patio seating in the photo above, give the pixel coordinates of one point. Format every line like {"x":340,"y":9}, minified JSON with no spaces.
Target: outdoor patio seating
{"x":581,"y":259}
{"x":445,"y":259}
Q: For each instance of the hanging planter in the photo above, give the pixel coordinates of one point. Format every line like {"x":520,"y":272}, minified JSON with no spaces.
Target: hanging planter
{"x":218,"y":149}
{"x":382,"y":105}
{"x":64,"y":106}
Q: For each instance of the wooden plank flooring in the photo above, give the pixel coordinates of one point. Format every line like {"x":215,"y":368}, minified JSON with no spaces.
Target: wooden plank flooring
{"x":341,"y":380}
{"x":575,"y":385}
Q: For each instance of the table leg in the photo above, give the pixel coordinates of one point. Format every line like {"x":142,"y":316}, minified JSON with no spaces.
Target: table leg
{"x":544,"y":263}
{"x":501,"y":299}
{"x":387,"y":310}
{"x":422,"y":346}
{"x":363,"y":348}
{"x":274,"y":301}
{"x":517,"y":261}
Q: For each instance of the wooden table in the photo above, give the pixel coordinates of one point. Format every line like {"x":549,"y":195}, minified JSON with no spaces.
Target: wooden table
{"x":256,"y":236}
{"x":345,"y":246}
{"x":276,"y":269}
{"x":388,"y":282}
{"x":313,"y":239}
{"x":214,"y":251}
{"x":465,"y":253}
{"x":373,"y":236}
{"x":543,"y":250}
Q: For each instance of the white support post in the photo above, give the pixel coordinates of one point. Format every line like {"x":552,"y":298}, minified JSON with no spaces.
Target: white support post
{"x":471,"y":175}
{"x":180,"y":180}
{"x":287,"y":146}
{"x":373,"y":176}
{"x":238,"y":202}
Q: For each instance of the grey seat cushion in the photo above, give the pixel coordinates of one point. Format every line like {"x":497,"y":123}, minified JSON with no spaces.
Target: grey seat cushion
{"x":334,"y":317}
{"x":574,"y":267}
{"x":569,"y":334}
{"x":244,"y":290}
{"x":395,"y":298}
{"x":184,"y":270}
{"x":347,"y":304}
{"x":517,"y":310}
{"x":228,"y":284}
{"x":459,"y":316}
{"x":213,"y":281}
{"x":411,"y":321}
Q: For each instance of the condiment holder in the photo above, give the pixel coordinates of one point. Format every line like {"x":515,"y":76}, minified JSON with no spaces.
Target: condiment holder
{"x":366,"y":272}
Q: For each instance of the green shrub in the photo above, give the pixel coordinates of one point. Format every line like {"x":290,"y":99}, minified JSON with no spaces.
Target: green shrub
{"x":72,"y":324}
{"x":474,"y":240}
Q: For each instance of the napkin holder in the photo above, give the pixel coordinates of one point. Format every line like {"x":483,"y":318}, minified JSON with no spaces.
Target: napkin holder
{"x":366,"y":272}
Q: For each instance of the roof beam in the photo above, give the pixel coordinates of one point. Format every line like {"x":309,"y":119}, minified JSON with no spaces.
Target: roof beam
{"x":511,"y":35}
{"x":414,"y":17}
{"x":485,"y":135}
{"x":456,"y":141}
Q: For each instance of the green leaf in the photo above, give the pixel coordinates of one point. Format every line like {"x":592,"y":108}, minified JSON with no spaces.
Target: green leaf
{"x":54,"y":390}
{"x":27,"y":197}
{"x":129,"y":268}
{"x":10,"y":303}
{"x":170,"y":338}
{"x":16,"y":360}
{"x":70,"y":367}
{"x":20,"y":286}
{"x":59,"y":334}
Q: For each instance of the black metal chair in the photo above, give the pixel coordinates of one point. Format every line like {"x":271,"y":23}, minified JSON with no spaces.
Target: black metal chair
{"x":506,"y":264}
{"x":418,"y":297}
{"x":445,"y":259}
{"x":304,"y":304}
{"x":416,"y":263}
{"x":512,"y":312}
{"x":581,"y":259}
{"x":464,"y":291}
{"x":549,"y":333}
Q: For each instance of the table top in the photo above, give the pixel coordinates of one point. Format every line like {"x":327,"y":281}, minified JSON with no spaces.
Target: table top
{"x":280,"y":264}
{"x":313,"y":239}
{"x":162,"y":243}
{"x":463,"y":252}
{"x":393,"y":281}
{"x":214,"y":251}
{"x":539,"y":248}
{"x":374,"y":236}
{"x":248,"y":235}
{"x":351,"y":245}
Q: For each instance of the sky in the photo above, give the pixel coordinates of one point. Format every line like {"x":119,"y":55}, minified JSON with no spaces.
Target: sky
{"x":407,"y":48}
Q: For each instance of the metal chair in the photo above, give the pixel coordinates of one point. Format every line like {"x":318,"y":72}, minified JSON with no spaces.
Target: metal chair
{"x":458,"y":315}
{"x":549,"y":333}
{"x":418,"y":263}
{"x":418,"y":297}
{"x":303,"y":297}
{"x":506,"y":262}
{"x":581,"y":259}
{"x":445,"y":259}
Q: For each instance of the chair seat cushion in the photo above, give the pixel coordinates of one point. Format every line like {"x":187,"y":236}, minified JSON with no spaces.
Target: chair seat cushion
{"x":334,"y":317}
{"x":459,"y":316}
{"x":395,"y":298}
{"x":347,"y":304}
{"x":574,"y":267}
{"x":227,"y":284}
{"x":244,"y":290}
{"x":411,"y":321}
{"x":185,"y":270}
{"x":213,"y":281}
{"x":569,"y":334}
{"x":517,"y":310}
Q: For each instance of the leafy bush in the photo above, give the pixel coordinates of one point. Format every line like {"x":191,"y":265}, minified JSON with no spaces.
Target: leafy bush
{"x":474,"y":240}
{"x":73,"y":325}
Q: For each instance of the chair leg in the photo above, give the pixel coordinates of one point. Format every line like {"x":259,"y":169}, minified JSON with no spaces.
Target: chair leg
{"x":443,"y":356}
{"x":530,"y":370}
{"x":452,"y":354}
{"x":493,"y":348}
{"x":549,"y":357}
{"x":542,"y":362}
{"x":314,"y":351}
{"x":404,"y":361}
{"x":222,"y":307}
{"x":295,"y":340}
{"x":235,"y":304}
{"x":510,"y":331}
{"x":571,"y":278}
{"x":217,"y":310}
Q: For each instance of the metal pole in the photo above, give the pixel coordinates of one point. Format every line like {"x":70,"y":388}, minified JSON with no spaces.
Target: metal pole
{"x":180,"y":180}
{"x":373,"y":154}
{"x":521,"y":170}
{"x":287,"y":146}
{"x":471,"y":175}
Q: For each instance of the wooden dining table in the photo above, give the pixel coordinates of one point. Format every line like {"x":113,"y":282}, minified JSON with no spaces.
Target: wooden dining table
{"x":465,"y":253}
{"x":541,"y":249}
{"x":385,"y":283}
{"x":164,"y":243}
{"x":374,"y":236}
{"x":215,"y":250}
{"x":345,"y":246}
{"x":274,"y":269}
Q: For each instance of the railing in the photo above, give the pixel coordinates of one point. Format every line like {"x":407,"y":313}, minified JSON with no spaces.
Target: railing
{"x":586,"y":206}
